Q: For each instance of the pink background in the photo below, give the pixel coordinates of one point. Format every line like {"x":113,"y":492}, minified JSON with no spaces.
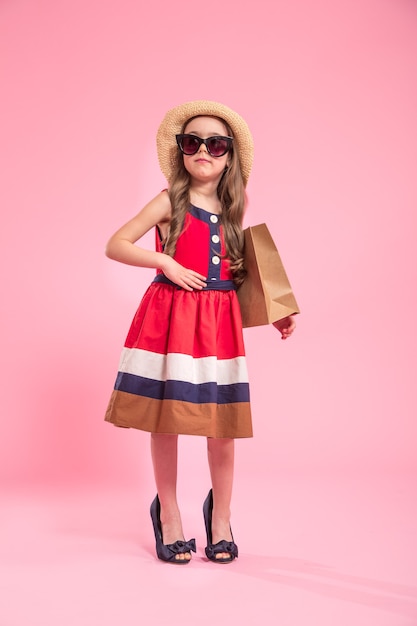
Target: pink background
{"x":329,"y":90}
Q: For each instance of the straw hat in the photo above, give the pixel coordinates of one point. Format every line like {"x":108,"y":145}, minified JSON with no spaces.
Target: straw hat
{"x":173,"y":124}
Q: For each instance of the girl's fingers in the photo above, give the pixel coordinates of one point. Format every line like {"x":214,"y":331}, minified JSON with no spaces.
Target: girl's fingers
{"x":196,"y":280}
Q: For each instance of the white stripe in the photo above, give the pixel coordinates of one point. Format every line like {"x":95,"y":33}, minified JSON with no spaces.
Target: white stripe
{"x":183,"y":367}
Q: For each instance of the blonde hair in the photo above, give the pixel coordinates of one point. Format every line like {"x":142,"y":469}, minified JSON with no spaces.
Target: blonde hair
{"x":232,"y":196}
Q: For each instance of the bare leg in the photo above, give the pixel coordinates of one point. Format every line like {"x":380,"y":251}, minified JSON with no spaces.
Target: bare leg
{"x":221,"y":456}
{"x":164,"y":450}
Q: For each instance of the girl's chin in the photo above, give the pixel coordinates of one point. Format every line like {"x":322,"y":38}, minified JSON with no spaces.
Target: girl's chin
{"x":205,"y":174}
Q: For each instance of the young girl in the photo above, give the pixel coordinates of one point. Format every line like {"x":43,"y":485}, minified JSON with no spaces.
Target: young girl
{"x":183,"y":369}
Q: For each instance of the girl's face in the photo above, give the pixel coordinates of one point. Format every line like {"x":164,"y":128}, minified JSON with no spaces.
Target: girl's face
{"x":201,"y":165}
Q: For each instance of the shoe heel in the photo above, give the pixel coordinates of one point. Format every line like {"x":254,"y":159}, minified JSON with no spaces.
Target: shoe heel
{"x":222,"y":546}
{"x":168,"y":552}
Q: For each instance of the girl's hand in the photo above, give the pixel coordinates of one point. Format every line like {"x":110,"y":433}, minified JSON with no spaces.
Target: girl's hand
{"x":181,"y":276}
{"x":286,"y":326}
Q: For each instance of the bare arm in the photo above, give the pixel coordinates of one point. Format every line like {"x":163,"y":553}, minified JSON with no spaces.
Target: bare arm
{"x":122,"y":245}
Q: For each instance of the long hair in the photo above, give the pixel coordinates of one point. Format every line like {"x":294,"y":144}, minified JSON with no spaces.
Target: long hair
{"x":231,"y":193}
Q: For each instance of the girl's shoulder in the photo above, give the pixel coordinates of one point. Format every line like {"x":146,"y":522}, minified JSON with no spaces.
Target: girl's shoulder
{"x":156,"y":212}
{"x":162,"y":199}
{"x":159,"y":207}
{"x":163,"y":202}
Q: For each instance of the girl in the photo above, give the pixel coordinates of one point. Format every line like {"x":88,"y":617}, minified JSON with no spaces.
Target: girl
{"x":183,"y":369}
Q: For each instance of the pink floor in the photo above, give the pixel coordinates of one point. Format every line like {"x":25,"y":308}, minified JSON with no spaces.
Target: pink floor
{"x":327,"y":551}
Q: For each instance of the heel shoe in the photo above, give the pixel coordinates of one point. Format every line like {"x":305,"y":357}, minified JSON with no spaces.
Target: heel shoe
{"x":168,"y":552}
{"x":222,"y":546}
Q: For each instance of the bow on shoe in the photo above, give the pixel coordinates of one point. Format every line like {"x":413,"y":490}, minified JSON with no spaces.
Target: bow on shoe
{"x":170,"y":550}
{"x":222,"y":546}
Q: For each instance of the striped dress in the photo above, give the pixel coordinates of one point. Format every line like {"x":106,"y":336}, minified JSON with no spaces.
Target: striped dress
{"x":183,"y":367}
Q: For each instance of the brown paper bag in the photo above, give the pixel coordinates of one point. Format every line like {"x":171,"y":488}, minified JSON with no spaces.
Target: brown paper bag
{"x":266,"y":295}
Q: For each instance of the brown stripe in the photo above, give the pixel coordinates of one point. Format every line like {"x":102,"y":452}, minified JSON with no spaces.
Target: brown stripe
{"x":183,"y":418}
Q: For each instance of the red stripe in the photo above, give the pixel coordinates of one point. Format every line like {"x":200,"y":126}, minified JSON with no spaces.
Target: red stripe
{"x":189,"y":251}
{"x":189,"y":245}
{"x":172,"y":312}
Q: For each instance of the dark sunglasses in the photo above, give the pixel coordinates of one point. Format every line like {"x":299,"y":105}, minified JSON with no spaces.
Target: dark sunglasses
{"x":216,"y":146}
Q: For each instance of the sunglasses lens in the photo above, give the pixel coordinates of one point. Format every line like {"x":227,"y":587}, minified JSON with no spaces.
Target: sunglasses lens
{"x":217,"y":146}
{"x":189,"y":144}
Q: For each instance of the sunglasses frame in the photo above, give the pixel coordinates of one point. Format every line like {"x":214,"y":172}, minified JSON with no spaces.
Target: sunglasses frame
{"x":229,"y":141}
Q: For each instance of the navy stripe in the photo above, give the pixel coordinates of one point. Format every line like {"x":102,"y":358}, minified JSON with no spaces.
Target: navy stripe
{"x":203,"y":215}
{"x":178,"y":390}
{"x":216,"y":285}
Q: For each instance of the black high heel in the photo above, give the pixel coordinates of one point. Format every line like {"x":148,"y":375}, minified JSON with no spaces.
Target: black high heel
{"x":222,"y":546}
{"x":168,"y":552}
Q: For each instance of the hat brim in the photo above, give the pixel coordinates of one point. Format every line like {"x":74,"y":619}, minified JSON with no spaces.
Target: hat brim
{"x":174,"y":122}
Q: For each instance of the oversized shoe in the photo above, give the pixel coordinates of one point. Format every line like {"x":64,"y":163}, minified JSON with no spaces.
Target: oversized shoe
{"x":222,"y":546}
{"x":168,"y":552}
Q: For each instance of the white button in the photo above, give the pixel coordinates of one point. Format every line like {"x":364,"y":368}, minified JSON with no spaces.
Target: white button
{"x":214,"y":219}
{"x":215,"y":238}
{"x":215,"y":260}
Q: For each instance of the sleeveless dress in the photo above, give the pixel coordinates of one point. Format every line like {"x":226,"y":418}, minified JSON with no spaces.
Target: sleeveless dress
{"x":183,"y":367}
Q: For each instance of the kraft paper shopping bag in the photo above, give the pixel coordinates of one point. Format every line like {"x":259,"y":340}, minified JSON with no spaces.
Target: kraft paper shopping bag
{"x":266,"y":295}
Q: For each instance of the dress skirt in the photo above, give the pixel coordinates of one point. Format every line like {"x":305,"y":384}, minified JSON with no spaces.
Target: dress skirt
{"x":183,"y":367}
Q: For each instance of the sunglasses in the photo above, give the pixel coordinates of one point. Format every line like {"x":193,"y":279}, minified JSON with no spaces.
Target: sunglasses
{"x":217,"y":146}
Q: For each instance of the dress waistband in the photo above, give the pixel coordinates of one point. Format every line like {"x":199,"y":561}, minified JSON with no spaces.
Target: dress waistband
{"x":212,"y":285}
